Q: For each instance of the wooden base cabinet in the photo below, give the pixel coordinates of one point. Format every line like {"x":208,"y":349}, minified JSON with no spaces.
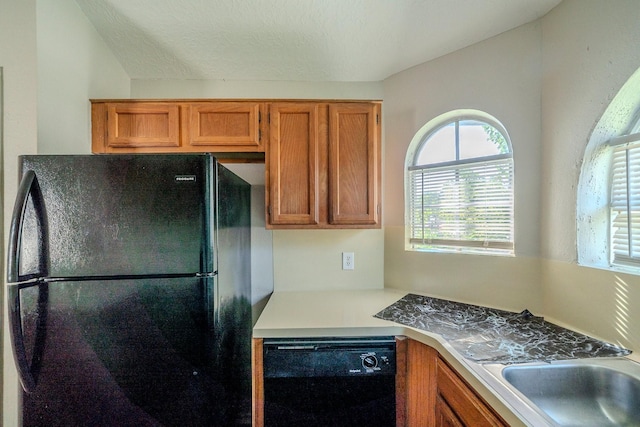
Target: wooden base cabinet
{"x":257,"y":382}
{"x":421,"y":386}
{"x":460,"y":405}
{"x":324,"y":165}
{"x":438,"y":396}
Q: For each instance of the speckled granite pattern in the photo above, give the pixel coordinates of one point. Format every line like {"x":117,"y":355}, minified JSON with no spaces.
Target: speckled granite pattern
{"x":487,"y":335}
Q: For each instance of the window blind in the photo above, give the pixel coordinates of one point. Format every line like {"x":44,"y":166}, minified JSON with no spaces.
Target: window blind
{"x":463,"y":204}
{"x":625,"y":205}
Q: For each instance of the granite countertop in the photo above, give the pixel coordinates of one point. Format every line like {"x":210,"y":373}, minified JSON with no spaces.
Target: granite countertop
{"x":486,"y":335}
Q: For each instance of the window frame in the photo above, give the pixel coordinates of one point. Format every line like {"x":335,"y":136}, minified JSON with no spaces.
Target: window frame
{"x":464,"y":246}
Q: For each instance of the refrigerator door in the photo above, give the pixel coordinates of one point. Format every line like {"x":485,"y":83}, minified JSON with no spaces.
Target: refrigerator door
{"x":119,"y":215}
{"x":122,"y":352}
{"x":232,"y":308}
{"x":232,"y":240}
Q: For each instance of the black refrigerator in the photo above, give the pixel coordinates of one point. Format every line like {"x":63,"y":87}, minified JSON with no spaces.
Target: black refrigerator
{"x":129,"y":291}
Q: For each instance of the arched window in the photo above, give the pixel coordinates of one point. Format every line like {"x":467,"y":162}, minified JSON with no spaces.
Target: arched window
{"x":608,"y":196}
{"x":459,"y":186}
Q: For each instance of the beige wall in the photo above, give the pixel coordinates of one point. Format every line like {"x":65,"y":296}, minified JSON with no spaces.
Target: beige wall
{"x":18,"y":62}
{"x":500,"y":76}
{"x":600,"y":303}
{"x":590,"y":49}
{"x":312,"y":259}
{"x":254,"y":89}
{"x":74,"y":65}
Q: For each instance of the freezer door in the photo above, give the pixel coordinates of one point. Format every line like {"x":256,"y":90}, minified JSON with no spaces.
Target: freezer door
{"x":120,"y":215}
{"x":127,"y":352}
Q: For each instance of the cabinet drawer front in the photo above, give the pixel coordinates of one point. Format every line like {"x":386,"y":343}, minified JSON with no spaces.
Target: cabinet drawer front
{"x":143,"y":125}
{"x":225,"y":123}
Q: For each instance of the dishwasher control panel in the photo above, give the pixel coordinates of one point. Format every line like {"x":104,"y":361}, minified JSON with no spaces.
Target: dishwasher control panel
{"x":329,"y":357}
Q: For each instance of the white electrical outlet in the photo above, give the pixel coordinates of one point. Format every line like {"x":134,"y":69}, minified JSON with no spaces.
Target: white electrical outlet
{"x":348,"y":261}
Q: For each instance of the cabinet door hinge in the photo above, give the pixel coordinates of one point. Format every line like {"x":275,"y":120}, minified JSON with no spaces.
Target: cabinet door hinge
{"x":259,"y":135}
{"x":269,"y":210}
{"x":377,"y":119}
{"x":259,"y":117}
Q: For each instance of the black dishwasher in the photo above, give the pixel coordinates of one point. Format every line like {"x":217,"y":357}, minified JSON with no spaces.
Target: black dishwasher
{"x":330,"y":382}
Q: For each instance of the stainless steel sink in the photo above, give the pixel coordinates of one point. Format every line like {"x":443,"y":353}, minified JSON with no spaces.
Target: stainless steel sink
{"x":586,"y":392}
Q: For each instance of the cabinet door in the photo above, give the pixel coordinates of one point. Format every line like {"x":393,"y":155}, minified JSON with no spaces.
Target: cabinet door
{"x":354,"y":164}
{"x":462,"y":401}
{"x":445,"y":417}
{"x":143,"y":124}
{"x":226,"y":125}
{"x":293,"y":164}
{"x":257,"y":383}
{"x":421,"y":386}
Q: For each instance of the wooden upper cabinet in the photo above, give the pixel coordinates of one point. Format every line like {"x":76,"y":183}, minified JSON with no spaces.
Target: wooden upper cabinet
{"x":143,"y":125}
{"x":233,"y":124}
{"x":176,"y":126}
{"x":323,"y":165}
{"x":293,"y":164}
{"x":354,"y":164}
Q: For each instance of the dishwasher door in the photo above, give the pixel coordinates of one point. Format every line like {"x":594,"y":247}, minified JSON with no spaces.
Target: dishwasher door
{"x":330,"y":382}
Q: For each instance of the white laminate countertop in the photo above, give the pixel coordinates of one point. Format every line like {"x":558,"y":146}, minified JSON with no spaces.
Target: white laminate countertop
{"x":351,"y":313}
{"x":316,"y":314}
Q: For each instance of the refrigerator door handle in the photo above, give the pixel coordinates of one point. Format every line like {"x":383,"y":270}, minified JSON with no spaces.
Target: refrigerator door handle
{"x":28,"y":187}
{"x":27,"y":372}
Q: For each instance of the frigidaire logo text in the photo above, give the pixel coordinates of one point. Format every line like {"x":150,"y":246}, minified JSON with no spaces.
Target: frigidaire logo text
{"x":185,"y":178}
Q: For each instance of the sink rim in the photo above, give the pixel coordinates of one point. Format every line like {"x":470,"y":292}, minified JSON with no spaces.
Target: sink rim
{"x":618,"y":364}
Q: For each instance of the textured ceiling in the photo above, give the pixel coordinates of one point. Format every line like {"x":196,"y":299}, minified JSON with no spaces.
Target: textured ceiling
{"x":296,"y":40}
